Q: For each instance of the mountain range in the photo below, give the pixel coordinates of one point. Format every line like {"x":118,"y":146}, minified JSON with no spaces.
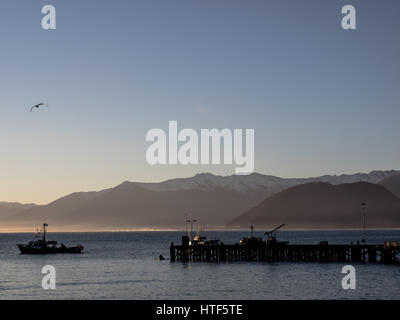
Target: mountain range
{"x":213,"y":200}
{"x":10,"y":208}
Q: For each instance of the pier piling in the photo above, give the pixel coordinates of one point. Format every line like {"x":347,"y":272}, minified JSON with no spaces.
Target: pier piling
{"x":360,"y":253}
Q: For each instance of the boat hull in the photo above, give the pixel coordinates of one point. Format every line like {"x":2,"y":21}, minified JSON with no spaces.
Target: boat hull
{"x":48,"y":250}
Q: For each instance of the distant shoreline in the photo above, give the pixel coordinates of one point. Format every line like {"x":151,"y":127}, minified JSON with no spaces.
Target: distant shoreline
{"x":101,"y":230}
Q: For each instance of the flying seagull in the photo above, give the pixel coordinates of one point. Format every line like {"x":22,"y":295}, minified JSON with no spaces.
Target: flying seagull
{"x":38,"y":105}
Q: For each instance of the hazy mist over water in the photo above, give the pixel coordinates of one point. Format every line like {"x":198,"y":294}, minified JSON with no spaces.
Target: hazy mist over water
{"x":123,"y":265}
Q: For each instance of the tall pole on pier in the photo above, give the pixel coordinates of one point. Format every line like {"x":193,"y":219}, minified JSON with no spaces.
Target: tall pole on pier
{"x":363,"y":207}
{"x":190,"y":235}
{"x":186,"y":225}
{"x":191,"y":228}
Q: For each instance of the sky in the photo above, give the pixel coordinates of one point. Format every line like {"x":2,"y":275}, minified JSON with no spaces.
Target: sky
{"x":322,"y":100}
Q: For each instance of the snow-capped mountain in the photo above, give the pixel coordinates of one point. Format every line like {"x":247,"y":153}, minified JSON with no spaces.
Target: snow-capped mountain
{"x":259,"y":182}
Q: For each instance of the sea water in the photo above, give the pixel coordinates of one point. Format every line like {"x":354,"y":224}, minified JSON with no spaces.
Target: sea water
{"x":124,"y":265}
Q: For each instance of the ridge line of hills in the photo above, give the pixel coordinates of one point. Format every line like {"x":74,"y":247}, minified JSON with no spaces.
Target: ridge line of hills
{"x":223,"y":200}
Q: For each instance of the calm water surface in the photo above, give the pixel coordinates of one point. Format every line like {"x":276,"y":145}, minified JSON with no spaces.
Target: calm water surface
{"x":123,"y":265}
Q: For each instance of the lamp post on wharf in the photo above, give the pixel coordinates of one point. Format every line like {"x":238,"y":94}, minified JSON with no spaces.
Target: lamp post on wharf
{"x":363,"y":207}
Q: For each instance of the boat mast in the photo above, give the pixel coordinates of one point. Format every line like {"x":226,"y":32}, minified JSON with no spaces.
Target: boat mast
{"x":44,"y":231}
{"x":190,"y":235}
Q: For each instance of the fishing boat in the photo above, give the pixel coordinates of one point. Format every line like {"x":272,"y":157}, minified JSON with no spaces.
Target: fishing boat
{"x":40,"y":245}
{"x":272,"y":237}
{"x":271,"y":240}
{"x":251,"y":239}
{"x":201,"y":239}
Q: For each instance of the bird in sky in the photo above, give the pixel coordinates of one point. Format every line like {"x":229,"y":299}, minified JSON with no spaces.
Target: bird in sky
{"x":38,"y":106}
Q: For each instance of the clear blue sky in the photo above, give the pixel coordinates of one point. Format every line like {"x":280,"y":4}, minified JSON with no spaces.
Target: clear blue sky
{"x":321,"y":100}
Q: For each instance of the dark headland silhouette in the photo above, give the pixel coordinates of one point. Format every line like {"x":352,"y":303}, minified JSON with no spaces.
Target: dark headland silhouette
{"x":219,"y":201}
{"x":323,"y":205}
{"x":392,"y":183}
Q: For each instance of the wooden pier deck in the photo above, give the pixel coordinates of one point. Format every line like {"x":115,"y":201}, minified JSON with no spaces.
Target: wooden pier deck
{"x":359,"y":253}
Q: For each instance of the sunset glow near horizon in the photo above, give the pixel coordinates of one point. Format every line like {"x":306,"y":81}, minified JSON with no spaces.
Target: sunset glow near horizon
{"x":321,"y":100}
